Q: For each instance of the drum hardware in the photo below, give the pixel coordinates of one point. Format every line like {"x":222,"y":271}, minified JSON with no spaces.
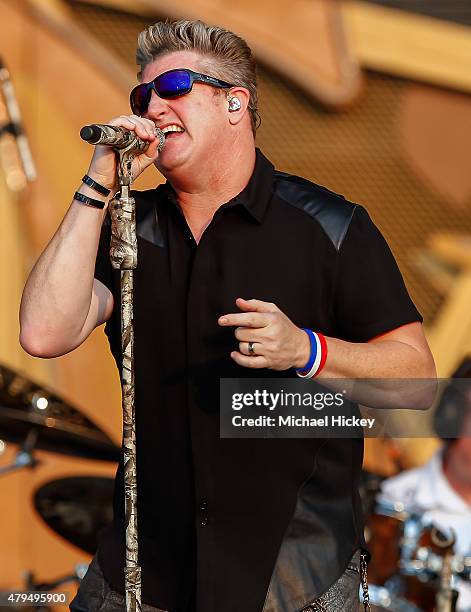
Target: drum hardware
{"x":31,"y":586}
{"x":446,"y":596}
{"x":384,"y":598}
{"x":395,"y":510}
{"x":431,"y":563}
{"x":24,"y":457}
{"x":413,"y":529}
{"x":461,"y":567}
{"x":76,"y":508}
{"x":412,"y":562}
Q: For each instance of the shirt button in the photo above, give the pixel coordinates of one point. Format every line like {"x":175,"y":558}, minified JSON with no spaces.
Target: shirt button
{"x":203,"y":513}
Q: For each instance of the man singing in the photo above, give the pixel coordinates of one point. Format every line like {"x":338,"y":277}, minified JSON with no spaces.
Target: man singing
{"x":234,"y":259}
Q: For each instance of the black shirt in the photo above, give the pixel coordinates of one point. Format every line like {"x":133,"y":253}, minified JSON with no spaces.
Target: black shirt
{"x":252,"y":524}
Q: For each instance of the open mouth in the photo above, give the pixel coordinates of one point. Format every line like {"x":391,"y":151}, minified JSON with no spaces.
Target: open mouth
{"x":172,"y":130}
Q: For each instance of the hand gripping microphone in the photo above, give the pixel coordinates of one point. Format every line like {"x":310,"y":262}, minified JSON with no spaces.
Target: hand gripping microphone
{"x":118,"y":137}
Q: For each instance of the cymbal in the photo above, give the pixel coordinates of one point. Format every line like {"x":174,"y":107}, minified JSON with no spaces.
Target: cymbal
{"x":59,"y":427}
{"x":77,"y":508}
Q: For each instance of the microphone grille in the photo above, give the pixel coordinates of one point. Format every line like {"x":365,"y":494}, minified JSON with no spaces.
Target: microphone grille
{"x":161,"y":136}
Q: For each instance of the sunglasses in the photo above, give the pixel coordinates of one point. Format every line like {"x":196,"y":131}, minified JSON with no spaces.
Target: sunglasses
{"x":170,"y":84}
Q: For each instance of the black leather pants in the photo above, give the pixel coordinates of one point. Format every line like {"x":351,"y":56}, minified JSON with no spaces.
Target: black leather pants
{"x":95,"y":595}
{"x":343,"y":595}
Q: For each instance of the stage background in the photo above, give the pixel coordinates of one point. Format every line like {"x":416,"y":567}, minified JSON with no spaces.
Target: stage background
{"x":371,"y":99}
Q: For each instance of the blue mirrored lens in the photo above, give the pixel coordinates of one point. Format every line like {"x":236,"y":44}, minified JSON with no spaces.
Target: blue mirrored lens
{"x":174,"y":83}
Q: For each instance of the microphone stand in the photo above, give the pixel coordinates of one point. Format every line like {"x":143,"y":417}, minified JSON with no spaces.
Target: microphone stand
{"x":123,"y":254}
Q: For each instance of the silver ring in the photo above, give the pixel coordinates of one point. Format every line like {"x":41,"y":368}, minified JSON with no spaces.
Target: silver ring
{"x":251,"y":348}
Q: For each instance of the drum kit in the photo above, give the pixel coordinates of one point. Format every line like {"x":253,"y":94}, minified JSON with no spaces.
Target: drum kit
{"x":413,"y":564}
{"x":76,"y":508}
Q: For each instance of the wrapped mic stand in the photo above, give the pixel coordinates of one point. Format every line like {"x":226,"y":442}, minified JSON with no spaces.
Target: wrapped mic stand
{"x":123,"y":254}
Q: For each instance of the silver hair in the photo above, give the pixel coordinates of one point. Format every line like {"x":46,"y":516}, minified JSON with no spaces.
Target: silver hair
{"x":225,"y":55}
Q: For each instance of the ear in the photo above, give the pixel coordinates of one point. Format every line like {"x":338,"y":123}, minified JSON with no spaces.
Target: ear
{"x":242,"y":94}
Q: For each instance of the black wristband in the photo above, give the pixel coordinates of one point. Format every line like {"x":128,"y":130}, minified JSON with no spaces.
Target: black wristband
{"x":96,"y":186}
{"x":88,"y":201}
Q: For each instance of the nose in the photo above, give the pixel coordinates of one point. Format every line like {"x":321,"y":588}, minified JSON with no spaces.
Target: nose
{"x":156,"y":108}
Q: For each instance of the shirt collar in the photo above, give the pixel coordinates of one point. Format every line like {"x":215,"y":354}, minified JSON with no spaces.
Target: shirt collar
{"x":255,"y":197}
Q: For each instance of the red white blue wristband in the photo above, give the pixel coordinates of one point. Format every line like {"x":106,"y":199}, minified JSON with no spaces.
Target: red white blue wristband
{"x":317,"y":357}
{"x":313,"y":353}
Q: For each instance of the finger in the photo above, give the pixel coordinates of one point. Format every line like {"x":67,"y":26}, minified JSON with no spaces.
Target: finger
{"x":150,"y":125}
{"x":249,"y":362}
{"x":152,"y":151}
{"x":144,"y":128}
{"x":257,"y":347}
{"x":245,"y":319}
{"x":249,"y":334}
{"x":256,"y":305}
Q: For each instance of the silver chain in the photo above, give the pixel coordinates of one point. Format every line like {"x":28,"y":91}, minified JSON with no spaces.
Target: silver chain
{"x":364,"y":581}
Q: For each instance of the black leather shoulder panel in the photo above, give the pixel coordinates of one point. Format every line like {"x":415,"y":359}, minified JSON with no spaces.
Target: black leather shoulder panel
{"x":331,"y":210}
{"x":147,"y":218}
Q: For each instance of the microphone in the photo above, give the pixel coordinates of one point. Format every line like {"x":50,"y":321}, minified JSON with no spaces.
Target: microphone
{"x":118,"y":137}
{"x":15,"y":126}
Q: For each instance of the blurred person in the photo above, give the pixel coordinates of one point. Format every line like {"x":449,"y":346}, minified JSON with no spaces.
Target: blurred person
{"x":235,"y":258}
{"x":440,"y":490}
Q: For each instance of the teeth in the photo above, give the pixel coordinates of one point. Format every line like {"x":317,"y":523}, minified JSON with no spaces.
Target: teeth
{"x":172,"y":128}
